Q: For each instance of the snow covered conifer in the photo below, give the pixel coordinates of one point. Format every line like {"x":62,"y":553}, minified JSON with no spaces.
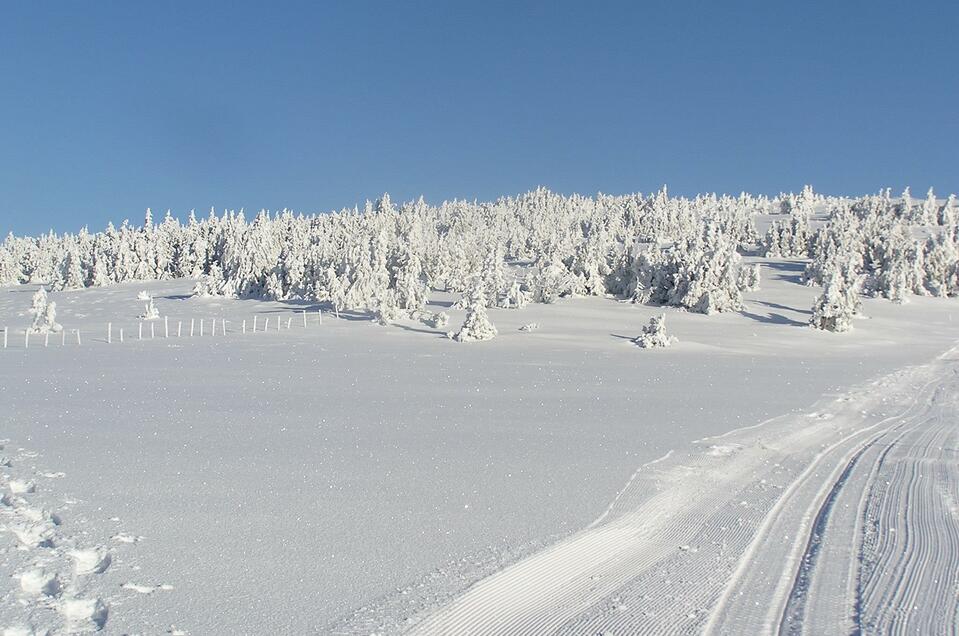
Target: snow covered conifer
{"x":387,"y":309}
{"x":515,"y":297}
{"x":438,"y":320}
{"x":44,"y":314}
{"x":905,"y":204}
{"x":834,"y":309}
{"x":477,"y":325}
{"x":150,"y":311}
{"x":654,"y":334}
{"x":930,"y":209}
{"x":941,"y":259}
{"x":410,"y":282}
{"x":70,"y":275}
{"x":494,"y":277}
{"x":748,"y":277}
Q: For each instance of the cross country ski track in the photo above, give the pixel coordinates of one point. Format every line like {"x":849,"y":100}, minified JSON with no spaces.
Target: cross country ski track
{"x":841,"y":520}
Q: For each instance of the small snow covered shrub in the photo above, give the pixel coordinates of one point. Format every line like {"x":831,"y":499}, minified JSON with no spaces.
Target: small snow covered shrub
{"x":438,"y":320}
{"x":531,"y":326}
{"x":150,"y":312}
{"x":477,"y":325}
{"x":44,"y":314}
{"x":654,"y":334}
{"x":144,"y":295}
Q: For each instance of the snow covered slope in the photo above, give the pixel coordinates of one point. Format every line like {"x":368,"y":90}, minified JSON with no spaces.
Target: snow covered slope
{"x":835,"y":521}
{"x":352,"y":478}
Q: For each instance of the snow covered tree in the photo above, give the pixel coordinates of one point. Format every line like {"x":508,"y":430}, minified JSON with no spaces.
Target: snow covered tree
{"x":748,"y":277}
{"x":386,"y":309}
{"x":438,"y":320}
{"x":787,"y":239}
{"x":477,"y":325}
{"x":44,"y":313}
{"x":835,"y":308}
{"x":654,"y":334}
{"x":150,"y":312}
{"x":551,"y":281}
{"x":409,"y":282}
{"x":69,"y":275}
{"x":515,"y":297}
{"x":941,"y":272}
{"x":494,"y":277}
{"x":930,"y":209}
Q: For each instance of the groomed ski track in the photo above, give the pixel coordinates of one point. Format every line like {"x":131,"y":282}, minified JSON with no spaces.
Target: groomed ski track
{"x":840,"y":520}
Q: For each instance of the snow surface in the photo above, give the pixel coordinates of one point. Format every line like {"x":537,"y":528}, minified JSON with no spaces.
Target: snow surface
{"x":352,"y":478}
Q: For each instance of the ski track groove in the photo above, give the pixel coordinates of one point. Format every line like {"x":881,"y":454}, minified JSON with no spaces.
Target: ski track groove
{"x":727,"y":539}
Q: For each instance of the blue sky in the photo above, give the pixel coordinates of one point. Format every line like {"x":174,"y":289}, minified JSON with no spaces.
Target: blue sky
{"x":109,"y":108}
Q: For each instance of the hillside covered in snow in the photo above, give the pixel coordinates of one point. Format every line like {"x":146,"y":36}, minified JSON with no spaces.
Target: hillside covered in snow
{"x":541,"y":415}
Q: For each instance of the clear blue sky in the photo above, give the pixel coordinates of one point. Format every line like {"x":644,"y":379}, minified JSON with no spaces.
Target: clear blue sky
{"x":109,"y":108}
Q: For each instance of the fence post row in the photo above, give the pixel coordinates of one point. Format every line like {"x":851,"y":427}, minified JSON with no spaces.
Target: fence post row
{"x":166,"y":329}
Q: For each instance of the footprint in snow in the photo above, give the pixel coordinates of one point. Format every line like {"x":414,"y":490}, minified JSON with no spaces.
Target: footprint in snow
{"x":80,"y":613}
{"x":39,"y":515}
{"x":22,"y":487}
{"x":91,"y":560}
{"x":34,"y":535}
{"x":38,"y":582}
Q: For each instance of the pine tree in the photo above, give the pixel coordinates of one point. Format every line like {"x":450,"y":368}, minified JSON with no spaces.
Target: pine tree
{"x":44,"y":313}
{"x":654,"y":334}
{"x":477,"y":325}
{"x":833,"y":310}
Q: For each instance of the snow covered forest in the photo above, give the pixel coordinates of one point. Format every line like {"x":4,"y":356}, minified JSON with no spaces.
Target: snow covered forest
{"x":532,"y":248}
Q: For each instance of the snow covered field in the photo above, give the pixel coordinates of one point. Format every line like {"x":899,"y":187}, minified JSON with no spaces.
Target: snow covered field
{"x":354,"y":478}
